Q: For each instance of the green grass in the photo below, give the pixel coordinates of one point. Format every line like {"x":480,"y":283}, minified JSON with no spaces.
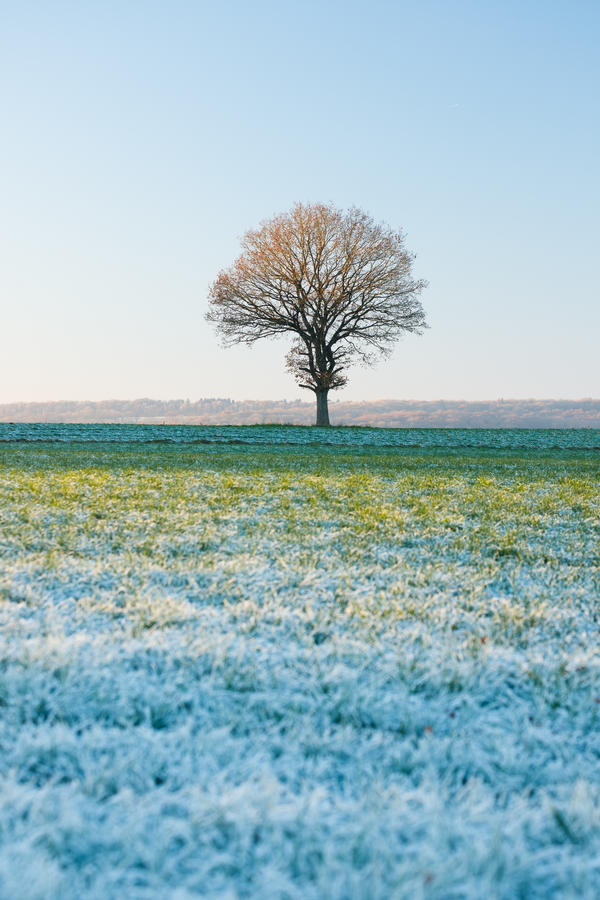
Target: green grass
{"x":397,"y":647}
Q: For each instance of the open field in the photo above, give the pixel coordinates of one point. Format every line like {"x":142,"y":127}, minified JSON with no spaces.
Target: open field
{"x":283,"y":668}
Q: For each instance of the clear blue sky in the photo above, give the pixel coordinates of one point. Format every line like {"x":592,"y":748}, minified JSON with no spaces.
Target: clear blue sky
{"x":141,"y":139}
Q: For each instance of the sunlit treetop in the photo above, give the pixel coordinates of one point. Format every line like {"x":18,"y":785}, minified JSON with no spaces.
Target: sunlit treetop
{"x":339,"y":282}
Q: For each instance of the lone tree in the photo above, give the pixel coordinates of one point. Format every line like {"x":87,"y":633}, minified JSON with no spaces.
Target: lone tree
{"x":339,"y":283}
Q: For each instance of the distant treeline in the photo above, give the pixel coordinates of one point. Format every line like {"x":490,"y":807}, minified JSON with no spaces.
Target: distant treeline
{"x":390,"y":413}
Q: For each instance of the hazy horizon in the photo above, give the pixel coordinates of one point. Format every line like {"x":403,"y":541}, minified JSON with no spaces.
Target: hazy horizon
{"x":501,"y":413}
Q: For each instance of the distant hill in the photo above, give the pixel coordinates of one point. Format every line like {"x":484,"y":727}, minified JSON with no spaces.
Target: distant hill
{"x":389,"y":413}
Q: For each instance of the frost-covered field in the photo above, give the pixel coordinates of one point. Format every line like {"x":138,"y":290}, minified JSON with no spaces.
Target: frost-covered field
{"x":271,"y":668}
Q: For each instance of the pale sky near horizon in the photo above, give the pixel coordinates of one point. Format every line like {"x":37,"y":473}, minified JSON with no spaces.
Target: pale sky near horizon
{"x":141,"y":140}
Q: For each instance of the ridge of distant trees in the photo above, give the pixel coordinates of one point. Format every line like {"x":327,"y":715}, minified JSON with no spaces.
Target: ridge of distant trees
{"x":391,"y":413}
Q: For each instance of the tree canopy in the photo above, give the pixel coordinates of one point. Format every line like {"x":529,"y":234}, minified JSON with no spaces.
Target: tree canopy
{"x":339,"y":283}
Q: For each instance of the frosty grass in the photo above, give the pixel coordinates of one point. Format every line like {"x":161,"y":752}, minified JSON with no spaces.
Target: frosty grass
{"x":278,"y":669}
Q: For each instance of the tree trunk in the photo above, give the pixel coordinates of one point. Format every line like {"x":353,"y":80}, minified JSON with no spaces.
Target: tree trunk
{"x":322,"y":409}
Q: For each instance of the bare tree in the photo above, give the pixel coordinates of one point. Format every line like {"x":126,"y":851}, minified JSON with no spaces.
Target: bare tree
{"x":339,"y":283}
